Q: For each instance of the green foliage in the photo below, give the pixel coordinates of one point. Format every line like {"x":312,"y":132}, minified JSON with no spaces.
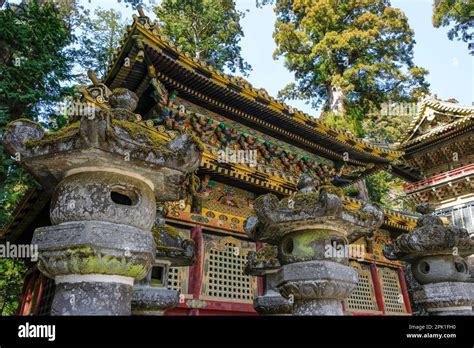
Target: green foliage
{"x":99,"y":38}
{"x":34,"y":61}
{"x":459,"y":14}
{"x":377,"y":188}
{"x":351,"y":57}
{"x":12,"y":274}
{"x":36,"y":64}
{"x":351,"y":191}
{"x":386,"y":189}
{"x":16,"y":184}
{"x":206,"y":29}
{"x":346,"y":123}
{"x":385,"y":128}
{"x":37,"y":56}
{"x":359,"y":49}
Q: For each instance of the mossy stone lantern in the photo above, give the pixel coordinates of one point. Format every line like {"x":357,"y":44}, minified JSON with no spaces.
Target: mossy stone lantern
{"x":106,"y":170}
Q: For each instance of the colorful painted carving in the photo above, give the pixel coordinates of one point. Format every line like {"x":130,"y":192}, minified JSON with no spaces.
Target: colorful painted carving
{"x":219,"y":133}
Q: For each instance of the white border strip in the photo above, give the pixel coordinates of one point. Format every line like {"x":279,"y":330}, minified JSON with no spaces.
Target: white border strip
{"x":93,"y":278}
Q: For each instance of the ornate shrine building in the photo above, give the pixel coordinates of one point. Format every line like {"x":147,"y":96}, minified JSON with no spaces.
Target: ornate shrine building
{"x":439,"y":152}
{"x":253,"y":145}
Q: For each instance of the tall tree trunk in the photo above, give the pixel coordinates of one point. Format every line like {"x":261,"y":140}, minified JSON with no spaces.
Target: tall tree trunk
{"x":363,"y":192}
{"x":336,"y":99}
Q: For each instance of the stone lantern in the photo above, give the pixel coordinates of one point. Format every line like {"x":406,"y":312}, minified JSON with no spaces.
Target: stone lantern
{"x":106,"y":170}
{"x":436,"y":253}
{"x":312,"y":231}
{"x":264,"y":263}
{"x":151,"y":295}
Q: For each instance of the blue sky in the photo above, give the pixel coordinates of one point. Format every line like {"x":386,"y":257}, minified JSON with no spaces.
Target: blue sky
{"x":451,"y":68}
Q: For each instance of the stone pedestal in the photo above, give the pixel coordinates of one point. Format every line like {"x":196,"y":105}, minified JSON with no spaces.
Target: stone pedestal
{"x":436,"y":254}
{"x":264,"y":263}
{"x":153,"y":300}
{"x":271,"y":302}
{"x":87,"y":259}
{"x":149,"y":299}
{"x":172,"y":250}
{"x":105,"y":172}
{"x":92,"y":295}
{"x":446,"y":298}
{"x":318,"y":287}
{"x":309,"y":230}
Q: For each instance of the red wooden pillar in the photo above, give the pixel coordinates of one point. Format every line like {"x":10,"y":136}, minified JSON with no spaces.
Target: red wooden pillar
{"x":29,"y":294}
{"x":195,"y":272}
{"x":377,"y":287}
{"x":403,"y":286}
{"x":42,"y":281}
{"x":21,"y":304}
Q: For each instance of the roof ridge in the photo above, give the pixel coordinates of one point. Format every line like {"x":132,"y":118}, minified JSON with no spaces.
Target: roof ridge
{"x":243,"y":84}
{"x":433,"y":102}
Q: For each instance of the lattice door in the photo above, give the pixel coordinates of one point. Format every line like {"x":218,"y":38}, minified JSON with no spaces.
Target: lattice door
{"x":178,"y":276}
{"x":178,"y":279}
{"x":223,"y":271}
{"x":391,"y":291}
{"x":362,"y":298}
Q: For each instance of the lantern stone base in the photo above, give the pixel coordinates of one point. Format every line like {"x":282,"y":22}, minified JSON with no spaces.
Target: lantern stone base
{"x":94,"y":265}
{"x":318,"y":287}
{"x":446,"y":298}
{"x":318,"y":307}
{"x":92,"y":295}
{"x":153,"y":300}
{"x":272,"y":303}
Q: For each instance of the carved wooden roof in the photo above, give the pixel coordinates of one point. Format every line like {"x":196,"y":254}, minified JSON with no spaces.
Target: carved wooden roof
{"x":439,"y":126}
{"x":435,"y":118}
{"x":233,"y":97}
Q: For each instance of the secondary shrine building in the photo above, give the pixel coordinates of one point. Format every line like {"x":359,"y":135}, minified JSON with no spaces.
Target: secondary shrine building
{"x":439,"y":151}
{"x":255,"y":144}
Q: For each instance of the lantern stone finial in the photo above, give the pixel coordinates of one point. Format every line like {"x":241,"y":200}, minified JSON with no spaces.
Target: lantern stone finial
{"x":140,"y":10}
{"x":93,"y":77}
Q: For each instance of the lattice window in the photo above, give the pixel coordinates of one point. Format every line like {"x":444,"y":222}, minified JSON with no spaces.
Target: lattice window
{"x":362,"y":298}
{"x":224,"y":277}
{"x":177,"y":279}
{"x":391,"y":290}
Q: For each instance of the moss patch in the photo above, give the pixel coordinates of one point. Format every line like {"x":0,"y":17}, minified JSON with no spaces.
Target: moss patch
{"x":302,"y":200}
{"x":161,"y":232}
{"x":24,"y":120}
{"x":138,"y":132}
{"x":55,"y":137}
{"x":84,"y":260}
{"x":266,"y":254}
{"x":333,"y":189}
